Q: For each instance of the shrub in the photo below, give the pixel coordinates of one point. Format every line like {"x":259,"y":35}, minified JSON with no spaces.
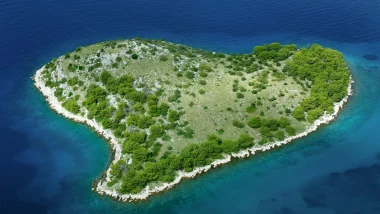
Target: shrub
{"x":220,"y":131}
{"x":251,"y":109}
{"x":280,"y":135}
{"x":203,"y":74}
{"x":238,"y":124}
{"x":173,"y":116}
{"x":163,"y":58}
{"x":230,"y":146}
{"x":135,"y":56}
{"x":189,"y":75}
{"x":245,"y":141}
{"x":239,"y":95}
{"x":290,"y":130}
{"x":298,"y":113}
{"x":255,"y":122}
{"x":156,"y":131}
{"x":72,"y":106}
{"x":58,"y":92}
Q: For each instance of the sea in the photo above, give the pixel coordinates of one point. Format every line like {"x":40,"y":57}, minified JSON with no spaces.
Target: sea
{"x":48,"y":163}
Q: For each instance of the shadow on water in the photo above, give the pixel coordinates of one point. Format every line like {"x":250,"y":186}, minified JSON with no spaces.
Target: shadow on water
{"x":356,"y":190}
{"x":370,"y":57}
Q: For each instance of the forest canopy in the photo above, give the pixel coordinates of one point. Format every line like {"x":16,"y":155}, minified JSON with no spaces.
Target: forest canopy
{"x":328,"y":73}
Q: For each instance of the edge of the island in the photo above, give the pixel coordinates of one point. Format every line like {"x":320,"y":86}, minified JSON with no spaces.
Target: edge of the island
{"x":101,"y":186}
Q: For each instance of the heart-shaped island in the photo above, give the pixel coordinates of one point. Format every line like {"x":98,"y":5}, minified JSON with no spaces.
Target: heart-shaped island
{"x":171,"y":111}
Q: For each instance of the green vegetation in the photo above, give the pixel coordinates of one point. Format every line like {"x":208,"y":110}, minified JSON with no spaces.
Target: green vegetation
{"x":72,"y":106}
{"x":329,"y":76}
{"x":274,"y":51}
{"x":237,"y":124}
{"x":172,"y":107}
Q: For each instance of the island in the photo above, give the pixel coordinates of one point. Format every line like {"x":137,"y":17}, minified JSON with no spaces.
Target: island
{"x":170,"y":111}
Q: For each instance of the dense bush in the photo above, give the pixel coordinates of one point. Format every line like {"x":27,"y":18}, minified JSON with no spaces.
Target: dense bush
{"x":173,"y":116}
{"x":72,"y":106}
{"x":164,"y":170}
{"x":329,"y":74}
{"x":274,"y":51}
{"x":163,"y":58}
{"x":135,"y":56}
{"x":237,"y":124}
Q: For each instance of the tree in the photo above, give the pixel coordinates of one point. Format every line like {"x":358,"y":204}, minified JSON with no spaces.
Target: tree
{"x":283,"y":122}
{"x":280,"y":135}
{"x":164,"y":108}
{"x":202,"y":82}
{"x":140,"y":154}
{"x":154,"y":110}
{"x":71,"y":105}
{"x":266,"y":132}
{"x":137,"y":96}
{"x":117,"y":168}
{"x":189,"y":74}
{"x":175,"y":97}
{"x":107,"y":123}
{"x":133,"y":120}
{"x":135,"y":56}
{"x":238,"y":124}
{"x":314,"y":114}
{"x":251,"y":108}
{"x":129,"y":146}
{"x":119,"y":115}
{"x":254,"y":122}
{"x":163,"y":58}
{"x":173,"y":116}
{"x":272,"y":124}
{"x":137,"y":137}
{"x":145,"y":121}
{"x":156,"y":131}
{"x":152,"y":99}
{"x":138,"y":107}
{"x":58,"y":92}
{"x":298,"y":113}
{"x":205,"y":67}
{"x":245,"y":141}
{"x":187,"y":132}
{"x":95,"y":95}
{"x":73,"y":81}
{"x":104,"y":76}
{"x":230,"y":146}
{"x":290,"y":130}
{"x":203,"y":74}
{"x":274,"y":51}
{"x":239,"y":95}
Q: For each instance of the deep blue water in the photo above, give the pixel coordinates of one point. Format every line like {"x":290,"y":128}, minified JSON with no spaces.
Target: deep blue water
{"x":47,"y":162}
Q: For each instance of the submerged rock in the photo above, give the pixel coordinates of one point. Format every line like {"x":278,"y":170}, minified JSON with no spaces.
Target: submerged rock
{"x":370,"y":57}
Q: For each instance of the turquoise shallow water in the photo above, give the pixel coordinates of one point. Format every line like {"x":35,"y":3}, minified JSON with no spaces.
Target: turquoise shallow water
{"x":48,"y":162}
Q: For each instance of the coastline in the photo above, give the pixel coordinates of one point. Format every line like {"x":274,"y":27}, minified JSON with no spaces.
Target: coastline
{"x":101,"y":186}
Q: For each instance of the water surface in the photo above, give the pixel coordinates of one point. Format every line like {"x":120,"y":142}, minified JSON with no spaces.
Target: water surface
{"x":48,"y":162}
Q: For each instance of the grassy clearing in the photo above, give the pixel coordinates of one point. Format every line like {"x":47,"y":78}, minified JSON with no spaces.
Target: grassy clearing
{"x":210,"y":100}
